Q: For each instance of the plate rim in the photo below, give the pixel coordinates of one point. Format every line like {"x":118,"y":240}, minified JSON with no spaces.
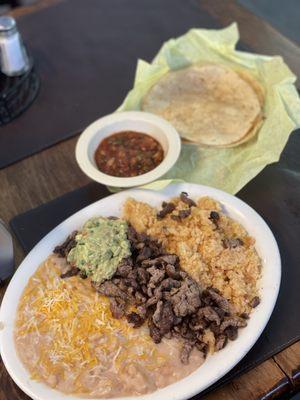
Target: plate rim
{"x":173,"y":391}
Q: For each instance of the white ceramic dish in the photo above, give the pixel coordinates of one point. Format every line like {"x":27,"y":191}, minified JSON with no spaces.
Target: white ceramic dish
{"x":138,"y":121}
{"x":216,"y":365}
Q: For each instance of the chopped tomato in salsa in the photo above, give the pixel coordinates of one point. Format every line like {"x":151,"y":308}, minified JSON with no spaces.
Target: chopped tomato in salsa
{"x":128,"y":153}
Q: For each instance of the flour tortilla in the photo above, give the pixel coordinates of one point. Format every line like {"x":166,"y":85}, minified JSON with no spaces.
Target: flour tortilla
{"x":208,"y":104}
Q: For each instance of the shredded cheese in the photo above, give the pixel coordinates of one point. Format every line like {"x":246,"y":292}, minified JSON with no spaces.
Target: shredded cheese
{"x":74,"y":329}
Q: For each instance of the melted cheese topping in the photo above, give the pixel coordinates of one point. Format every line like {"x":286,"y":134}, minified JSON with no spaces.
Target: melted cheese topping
{"x":74,"y":332}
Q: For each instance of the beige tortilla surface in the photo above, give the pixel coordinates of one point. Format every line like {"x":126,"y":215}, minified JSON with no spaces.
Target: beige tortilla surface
{"x":208,"y":104}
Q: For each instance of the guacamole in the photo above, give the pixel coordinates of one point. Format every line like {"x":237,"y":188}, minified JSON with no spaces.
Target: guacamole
{"x":101,"y":245}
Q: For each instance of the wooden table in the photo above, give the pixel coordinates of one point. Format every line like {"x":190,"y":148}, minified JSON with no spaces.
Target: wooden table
{"x":54,"y":171}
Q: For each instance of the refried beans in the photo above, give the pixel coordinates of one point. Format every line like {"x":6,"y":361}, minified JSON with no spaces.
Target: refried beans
{"x":66,"y":337}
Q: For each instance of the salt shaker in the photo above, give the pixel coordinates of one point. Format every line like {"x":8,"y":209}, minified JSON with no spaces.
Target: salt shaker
{"x":13,"y":57}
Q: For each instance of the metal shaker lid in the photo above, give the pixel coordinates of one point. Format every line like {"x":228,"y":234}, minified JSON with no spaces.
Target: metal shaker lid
{"x":7,"y":25}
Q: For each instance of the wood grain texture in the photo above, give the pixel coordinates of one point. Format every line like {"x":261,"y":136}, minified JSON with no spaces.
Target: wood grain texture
{"x":256,"y":384}
{"x":289,"y":362}
{"x":8,"y":389}
{"x":32,"y":8}
{"x":255,"y":32}
{"x":54,"y":171}
{"x":39,"y":179}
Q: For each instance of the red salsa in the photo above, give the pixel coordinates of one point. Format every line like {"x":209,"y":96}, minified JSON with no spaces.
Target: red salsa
{"x":128,"y":154}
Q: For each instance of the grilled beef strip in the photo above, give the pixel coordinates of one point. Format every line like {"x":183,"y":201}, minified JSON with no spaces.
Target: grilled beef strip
{"x":168,"y":299}
{"x":164,"y":296}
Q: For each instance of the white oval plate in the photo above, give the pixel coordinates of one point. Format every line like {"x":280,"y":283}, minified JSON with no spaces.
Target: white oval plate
{"x":216,"y":365}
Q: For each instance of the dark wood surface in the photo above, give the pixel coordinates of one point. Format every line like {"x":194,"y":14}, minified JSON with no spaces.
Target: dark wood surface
{"x":54,"y":171}
{"x":256,"y":33}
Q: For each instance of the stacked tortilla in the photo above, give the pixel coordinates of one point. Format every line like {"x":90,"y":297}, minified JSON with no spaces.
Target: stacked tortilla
{"x":209,"y":104}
